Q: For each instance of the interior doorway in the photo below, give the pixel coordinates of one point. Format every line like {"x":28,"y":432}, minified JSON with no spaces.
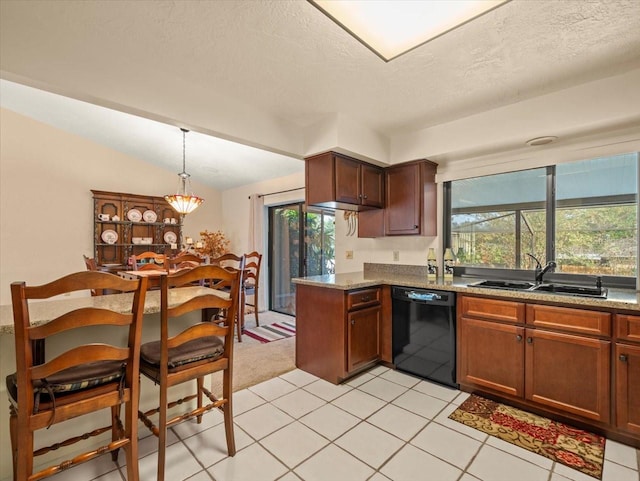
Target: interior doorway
{"x":301,"y":243}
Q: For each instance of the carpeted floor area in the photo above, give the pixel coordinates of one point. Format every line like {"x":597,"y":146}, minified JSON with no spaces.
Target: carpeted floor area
{"x":254,"y":361}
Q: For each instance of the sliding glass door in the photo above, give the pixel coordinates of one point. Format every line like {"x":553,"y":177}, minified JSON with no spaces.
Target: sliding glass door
{"x":301,"y":243}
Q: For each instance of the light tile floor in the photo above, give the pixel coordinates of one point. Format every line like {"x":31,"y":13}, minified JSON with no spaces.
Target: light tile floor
{"x":383,"y":425}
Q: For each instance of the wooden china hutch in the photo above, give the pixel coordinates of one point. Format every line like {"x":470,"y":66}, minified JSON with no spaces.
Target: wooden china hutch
{"x":140,"y":225}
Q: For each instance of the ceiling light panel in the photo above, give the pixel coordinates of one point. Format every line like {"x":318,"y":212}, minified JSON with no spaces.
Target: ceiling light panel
{"x":393,"y":27}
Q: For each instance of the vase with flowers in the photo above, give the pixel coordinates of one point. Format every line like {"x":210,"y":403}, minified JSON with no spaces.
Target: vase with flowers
{"x":212,"y":244}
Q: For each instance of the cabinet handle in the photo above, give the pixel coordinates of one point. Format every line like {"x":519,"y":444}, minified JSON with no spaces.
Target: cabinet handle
{"x":365,"y":196}
{"x":364,"y":299}
{"x":353,"y":322}
{"x":518,"y":338}
{"x":529,"y":340}
{"x":623,"y":357}
{"x":415,"y":226}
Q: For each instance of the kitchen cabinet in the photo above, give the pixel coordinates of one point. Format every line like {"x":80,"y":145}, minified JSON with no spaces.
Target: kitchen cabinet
{"x":553,"y":357}
{"x":627,"y":372}
{"x":410,"y":203}
{"x":116,"y":240}
{"x":490,"y":344}
{"x":340,"y":333}
{"x":340,"y":182}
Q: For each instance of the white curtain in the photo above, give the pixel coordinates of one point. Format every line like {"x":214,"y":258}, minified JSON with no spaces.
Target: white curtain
{"x":256,"y":241}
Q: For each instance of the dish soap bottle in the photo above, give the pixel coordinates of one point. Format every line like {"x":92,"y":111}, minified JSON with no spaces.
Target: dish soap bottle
{"x":448,"y":265}
{"x":432,"y":265}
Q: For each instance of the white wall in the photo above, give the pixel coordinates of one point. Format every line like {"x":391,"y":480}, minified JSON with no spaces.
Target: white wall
{"x":46,"y":206}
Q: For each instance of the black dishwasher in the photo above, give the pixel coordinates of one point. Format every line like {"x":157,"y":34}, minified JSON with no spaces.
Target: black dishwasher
{"x":424,"y":333}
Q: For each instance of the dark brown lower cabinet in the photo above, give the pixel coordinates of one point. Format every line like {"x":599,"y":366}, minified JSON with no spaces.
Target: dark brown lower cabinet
{"x":627,"y":363}
{"x":569,"y":373}
{"x":363,"y":338}
{"x":340,"y":333}
{"x":491,"y":355}
{"x":557,"y":360}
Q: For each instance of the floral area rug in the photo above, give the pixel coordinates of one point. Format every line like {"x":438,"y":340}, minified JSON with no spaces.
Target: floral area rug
{"x":570,"y":446}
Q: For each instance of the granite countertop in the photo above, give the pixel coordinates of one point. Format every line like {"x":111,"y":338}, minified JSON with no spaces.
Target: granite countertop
{"x":44,"y":311}
{"x":617,"y":298}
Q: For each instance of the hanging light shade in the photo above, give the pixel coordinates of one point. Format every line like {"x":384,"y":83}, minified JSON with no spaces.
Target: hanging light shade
{"x":183,"y":202}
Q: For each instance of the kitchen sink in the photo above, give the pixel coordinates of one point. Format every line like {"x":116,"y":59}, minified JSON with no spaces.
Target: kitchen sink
{"x":509,"y":285}
{"x":570,"y":290}
{"x":551,"y":288}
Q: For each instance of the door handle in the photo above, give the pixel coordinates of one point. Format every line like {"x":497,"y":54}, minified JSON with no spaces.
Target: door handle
{"x":623,"y":357}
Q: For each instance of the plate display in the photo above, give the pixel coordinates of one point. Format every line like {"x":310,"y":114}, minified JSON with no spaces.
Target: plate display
{"x":134,"y":215}
{"x":109,"y":236}
{"x":170,"y":237}
{"x":149,"y":216}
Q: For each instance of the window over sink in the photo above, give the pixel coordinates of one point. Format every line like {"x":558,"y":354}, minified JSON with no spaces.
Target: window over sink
{"x":583,"y":215}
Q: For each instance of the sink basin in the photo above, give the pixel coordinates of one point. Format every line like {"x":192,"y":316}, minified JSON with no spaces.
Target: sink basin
{"x":509,"y":285}
{"x":571,"y":290}
{"x":561,"y":289}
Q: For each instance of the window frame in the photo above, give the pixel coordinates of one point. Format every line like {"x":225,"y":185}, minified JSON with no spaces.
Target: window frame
{"x":550,"y":206}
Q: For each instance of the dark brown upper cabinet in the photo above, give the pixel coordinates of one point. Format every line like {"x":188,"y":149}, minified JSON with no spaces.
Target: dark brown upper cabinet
{"x":411,"y":203}
{"x":340,"y":182}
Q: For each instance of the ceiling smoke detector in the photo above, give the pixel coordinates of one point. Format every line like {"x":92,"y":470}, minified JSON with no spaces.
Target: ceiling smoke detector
{"x":541,"y":141}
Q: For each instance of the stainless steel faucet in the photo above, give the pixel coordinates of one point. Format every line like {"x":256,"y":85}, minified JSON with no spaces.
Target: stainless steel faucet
{"x":541,"y":271}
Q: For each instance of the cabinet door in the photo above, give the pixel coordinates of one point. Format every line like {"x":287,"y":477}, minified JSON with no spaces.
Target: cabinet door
{"x":347,"y":180}
{"x":627,"y":363}
{"x":491,"y":355}
{"x":363,"y":337}
{"x":568,"y":372}
{"x":372,"y":181}
{"x":402,"y":212}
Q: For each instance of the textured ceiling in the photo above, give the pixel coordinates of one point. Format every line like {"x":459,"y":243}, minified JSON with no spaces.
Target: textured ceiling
{"x":189,"y":61}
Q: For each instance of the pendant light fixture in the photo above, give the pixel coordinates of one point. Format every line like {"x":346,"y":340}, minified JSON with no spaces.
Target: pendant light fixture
{"x":184,"y":202}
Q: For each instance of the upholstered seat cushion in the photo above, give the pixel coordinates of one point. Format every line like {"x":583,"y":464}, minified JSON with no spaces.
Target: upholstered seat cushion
{"x":210,"y":347}
{"x":73,"y":379}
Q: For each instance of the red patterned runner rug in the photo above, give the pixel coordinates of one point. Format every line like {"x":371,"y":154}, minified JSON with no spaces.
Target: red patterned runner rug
{"x":559,"y":442}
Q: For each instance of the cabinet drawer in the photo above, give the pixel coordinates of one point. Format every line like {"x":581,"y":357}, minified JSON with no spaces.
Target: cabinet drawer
{"x":492,"y":309}
{"x":628,"y":327}
{"x":568,"y":319}
{"x":363,"y":298}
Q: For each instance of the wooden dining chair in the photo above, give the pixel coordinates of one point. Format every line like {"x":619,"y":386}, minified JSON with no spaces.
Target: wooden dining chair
{"x":147,"y":261}
{"x":91,"y":265}
{"x":84,"y":379}
{"x":235,"y":262}
{"x":251,"y":284}
{"x":201,"y":349}
{"x":183,"y":261}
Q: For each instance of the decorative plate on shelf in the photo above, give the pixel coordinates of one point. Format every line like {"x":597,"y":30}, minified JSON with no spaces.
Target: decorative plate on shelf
{"x":170,"y":237}
{"x":109,"y":236}
{"x":134,"y":215}
{"x":149,"y":216}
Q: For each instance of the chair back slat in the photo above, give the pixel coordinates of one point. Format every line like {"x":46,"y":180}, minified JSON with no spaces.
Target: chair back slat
{"x":201,"y":302}
{"x":78,"y":282}
{"x":197,"y":331}
{"x":83,"y":317}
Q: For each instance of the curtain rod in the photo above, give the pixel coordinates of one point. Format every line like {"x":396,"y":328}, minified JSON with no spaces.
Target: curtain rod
{"x":279,"y":192}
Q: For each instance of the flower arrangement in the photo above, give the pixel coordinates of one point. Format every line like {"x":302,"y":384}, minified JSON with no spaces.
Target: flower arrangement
{"x":214,"y":244}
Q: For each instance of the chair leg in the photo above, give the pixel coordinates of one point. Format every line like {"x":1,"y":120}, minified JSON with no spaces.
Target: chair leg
{"x":131,"y":431}
{"x":23,"y":467}
{"x":199,"y":387}
{"x":115,"y":431}
{"x":13,"y":434}
{"x":255,"y":304}
{"x":162,"y":432}
{"x":228,"y":412}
